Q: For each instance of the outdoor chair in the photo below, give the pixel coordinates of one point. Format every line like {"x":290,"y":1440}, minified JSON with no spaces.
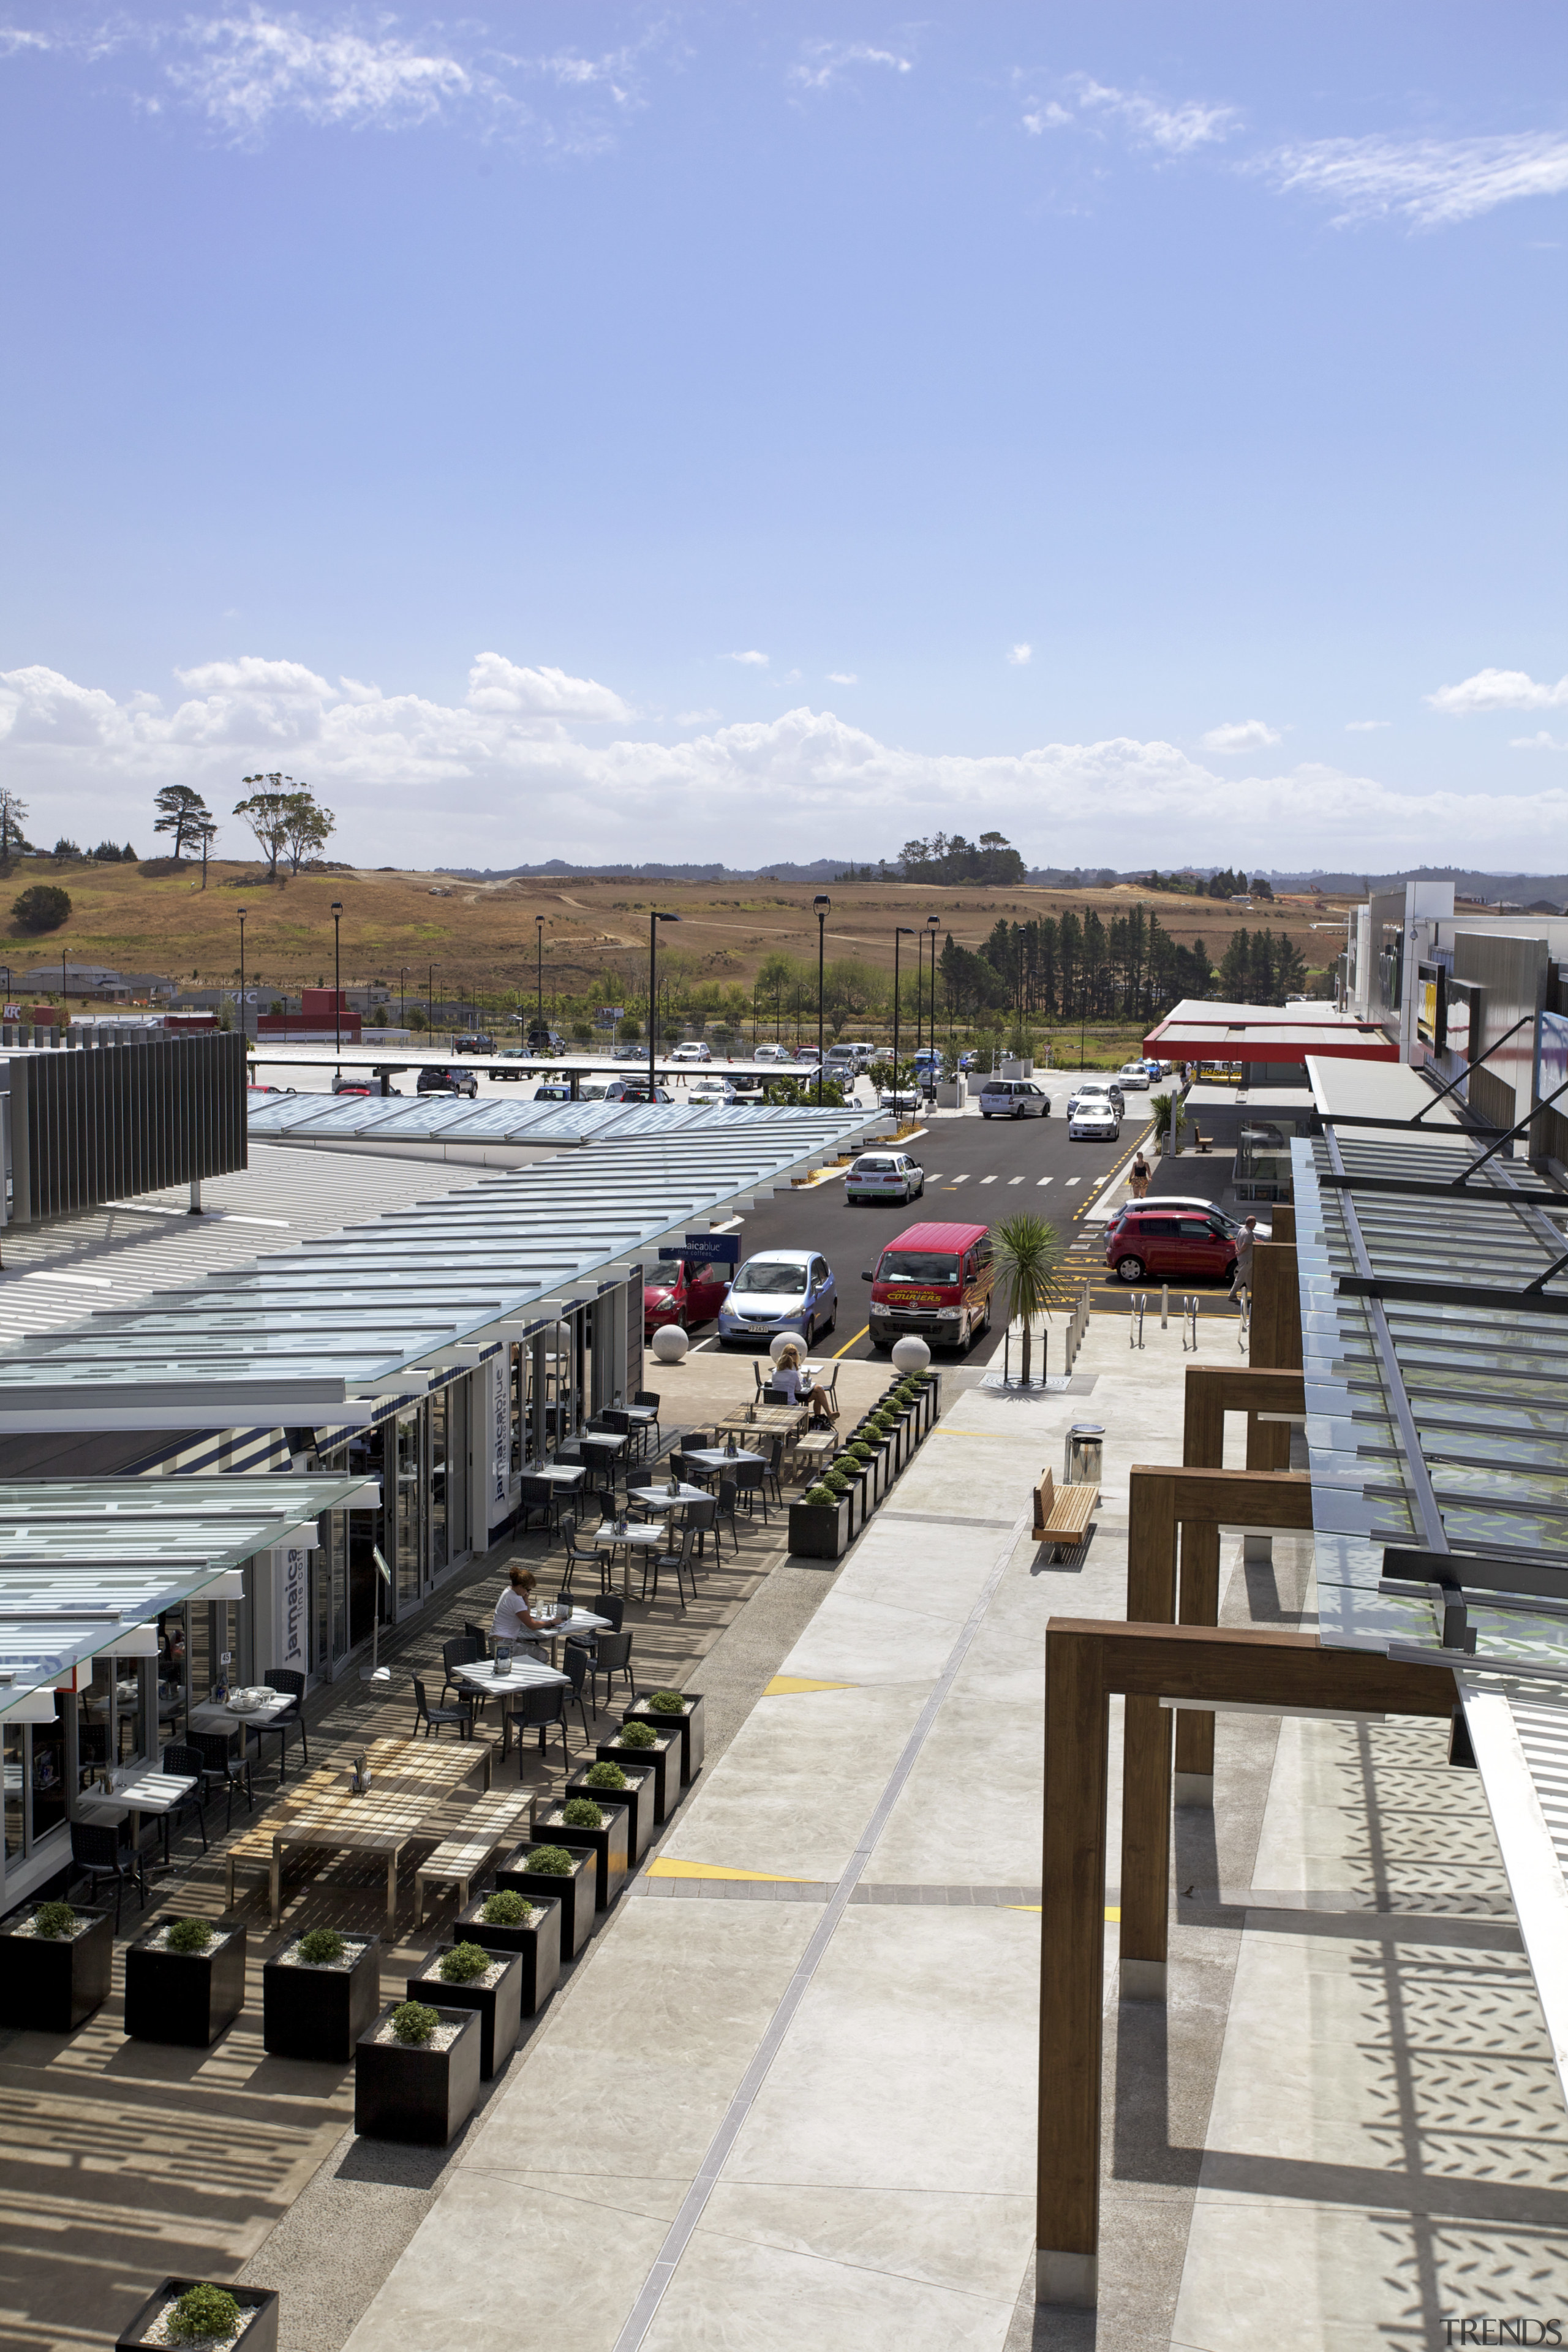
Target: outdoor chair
{"x":585,"y":1555}
{"x":604,"y":1503}
{"x":480,"y":1633}
{"x":770,"y":1474}
{"x":724,"y":1510}
{"x":750,"y":1482}
{"x":578,"y":1673}
{"x":612,"y":1657}
{"x":778,"y":1396}
{"x":535,"y":1500}
{"x":611,"y":1607}
{"x":464,"y":1652}
{"x":292,"y":1718}
{"x":536,"y":1710}
{"x":185,"y":1764}
{"x":218,"y":1764}
{"x":679,"y":1559}
{"x":650,"y":1397}
{"x":96,"y":1852}
{"x":689,"y":1473}
{"x":700,"y":1517}
{"x":433,"y":1717}
{"x":638,"y":1481}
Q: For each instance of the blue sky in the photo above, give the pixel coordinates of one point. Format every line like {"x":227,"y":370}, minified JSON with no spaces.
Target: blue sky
{"x":737,"y":432}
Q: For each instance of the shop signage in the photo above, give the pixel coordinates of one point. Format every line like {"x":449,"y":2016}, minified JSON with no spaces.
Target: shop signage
{"x":500,"y":1426}
{"x":291,"y":1587}
{"x":708,"y":1249}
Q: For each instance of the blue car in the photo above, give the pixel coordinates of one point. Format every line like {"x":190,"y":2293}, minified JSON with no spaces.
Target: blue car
{"x":780,"y":1290}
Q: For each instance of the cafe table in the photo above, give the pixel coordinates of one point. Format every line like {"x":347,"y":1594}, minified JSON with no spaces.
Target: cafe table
{"x":660,"y":1498}
{"x":767,"y":1421}
{"x":151,"y":1792}
{"x":714,"y":1457}
{"x":641,"y":1537}
{"x":409,"y":1783}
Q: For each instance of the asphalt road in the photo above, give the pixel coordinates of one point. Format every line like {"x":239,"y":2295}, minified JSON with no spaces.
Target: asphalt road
{"x":977,"y":1169}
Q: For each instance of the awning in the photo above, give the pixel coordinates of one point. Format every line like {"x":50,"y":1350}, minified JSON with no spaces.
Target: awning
{"x":1205,"y":1039}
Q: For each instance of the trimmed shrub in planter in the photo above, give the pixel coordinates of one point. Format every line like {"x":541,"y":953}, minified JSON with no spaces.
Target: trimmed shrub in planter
{"x":602,"y":1830}
{"x":631,"y":1786}
{"x":55,"y":1965}
{"x":820,"y":1525}
{"x":416,"y":2075}
{"x":658,"y":1753}
{"x":470,"y":1976}
{"x":532,"y":1936}
{"x":257,"y":2308}
{"x":319,"y":1994}
{"x":571,"y":1876}
{"x":681,"y":1711}
{"x":185,"y":1981}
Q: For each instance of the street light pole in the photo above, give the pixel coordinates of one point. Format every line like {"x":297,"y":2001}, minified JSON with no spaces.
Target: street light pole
{"x":822,"y":906}
{"x":900,"y":932}
{"x":539,"y":977}
{"x":337,"y":976}
{"x":402,"y":992}
{"x":932,"y":927}
{"x":242,"y":913}
{"x":654,"y":921}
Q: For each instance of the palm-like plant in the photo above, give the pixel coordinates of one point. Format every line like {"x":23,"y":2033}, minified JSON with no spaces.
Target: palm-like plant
{"x":1168,"y":1120}
{"x":1025,"y":1251}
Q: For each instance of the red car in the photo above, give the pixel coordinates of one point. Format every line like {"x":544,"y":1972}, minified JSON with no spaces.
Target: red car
{"x":684,"y":1294}
{"x":1172,"y":1241}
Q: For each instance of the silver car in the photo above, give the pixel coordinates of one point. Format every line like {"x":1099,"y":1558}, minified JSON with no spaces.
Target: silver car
{"x":1094,"y":1120}
{"x":1013,"y":1098}
{"x":885,"y":1176}
{"x":1107,"y":1089}
{"x":1133,"y":1077}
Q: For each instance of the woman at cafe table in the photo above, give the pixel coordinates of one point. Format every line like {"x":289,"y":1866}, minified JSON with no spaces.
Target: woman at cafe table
{"x":515,"y":1620}
{"x":788,"y":1375}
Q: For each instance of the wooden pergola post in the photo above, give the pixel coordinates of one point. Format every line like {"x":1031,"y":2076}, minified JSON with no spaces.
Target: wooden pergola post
{"x":1087,"y":1661}
{"x":1161,"y":1501}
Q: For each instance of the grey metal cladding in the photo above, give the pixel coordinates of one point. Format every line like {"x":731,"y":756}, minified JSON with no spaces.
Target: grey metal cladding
{"x":106,"y":1124}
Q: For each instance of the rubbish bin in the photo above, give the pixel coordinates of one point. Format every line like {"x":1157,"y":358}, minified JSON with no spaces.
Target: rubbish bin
{"x":1083,"y":1454}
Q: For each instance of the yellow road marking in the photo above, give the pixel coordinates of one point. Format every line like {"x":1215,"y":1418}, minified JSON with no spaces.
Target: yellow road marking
{"x":1113,"y":1910}
{"x":666,"y":1867}
{"x":787,"y":1686}
{"x":855,"y":1342}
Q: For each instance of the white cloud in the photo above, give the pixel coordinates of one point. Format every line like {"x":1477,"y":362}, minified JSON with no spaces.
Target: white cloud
{"x":1430,"y":183}
{"x":496,"y":683}
{"x":1176,"y":128}
{"x":1540,"y":741}
{"x":1241,"y":735}
{"x":1364,"y":726}
{"x":1021,"y":655}
{"x":822,"y":63}
{"x":752,"y":660}
{"x":242,"y":71}
{"x":696,"y":717}
{"x":1498,"y":689}
{"x":842,"y":678}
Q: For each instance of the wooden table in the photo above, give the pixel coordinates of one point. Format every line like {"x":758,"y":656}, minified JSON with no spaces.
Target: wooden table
{"x":767,"y":1421}
{"x":408,"y":1779}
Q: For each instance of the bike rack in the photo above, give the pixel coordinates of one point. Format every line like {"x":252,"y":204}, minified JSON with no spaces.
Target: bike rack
{"x":1244,"y":1321}
{"x":1135,"y":1320}
{"x":1190,"y":1323}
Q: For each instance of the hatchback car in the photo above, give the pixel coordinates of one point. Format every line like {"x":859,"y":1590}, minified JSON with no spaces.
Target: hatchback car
{"x":560,"y":1090}
{"x":447,"y":1082}
{"x":1108,"y":1087}
{"x":714,"y":1089}
{"x":685,"y":1291}
{"x":885,"y":1176}
{"x":693,"y":1050}
{"x":772,"y":1053}
{"x":903,"y":1098}
{"x":1013,"y":1098}
{"x":1095,"y":1120}
{"x":1133,"y":1077}
{"x":780,"y":1290}
{"x":635,"y":1091}
{"x":1172,"y":1241}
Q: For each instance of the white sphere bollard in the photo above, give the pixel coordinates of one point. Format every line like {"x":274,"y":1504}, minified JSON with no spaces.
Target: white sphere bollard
{"x":909,"y":1354}
{"x":670,"y":1343}
{"x":780,"y":1341}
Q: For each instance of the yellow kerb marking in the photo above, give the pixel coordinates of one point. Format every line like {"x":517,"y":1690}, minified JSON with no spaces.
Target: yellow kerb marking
{"x":787,"y":1686}
{"x":668,"y":1868}
{"x":1113,"y":1910}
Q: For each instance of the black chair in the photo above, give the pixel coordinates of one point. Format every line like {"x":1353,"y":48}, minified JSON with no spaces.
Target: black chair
{"x":700,"y":1517}
{"x":724,"y":1509}
{"x":772,"y":1476}
{"x":638,"y":1483}
{"x":650,"y":1397}
{"x":478,"y":1633}
{"x":292,"y":1718}
{"x":230,"y":1772}
{"x":433,"y":1717}
{"x":605,"y":1504}
{"x":537,"y":1709}
{"x":689,"y":1473}
{"x":750,"y":1480}
{"x":612,"y":1609}
{"x":778,"y":1396}
{"x":613,"y":1656}
{"x":679,"y":1559}
{"x":535,"y":1497}
{"x":578,"y":1673}
{"x":96,"y":1852}
{"x":185,"y":1764}
{"x":577,"y":1555}
{"x":464,"y":1652}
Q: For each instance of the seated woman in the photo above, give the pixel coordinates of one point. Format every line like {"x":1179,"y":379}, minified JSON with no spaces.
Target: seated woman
{"x":515,"y":1619}
{"x":788,"y":1375}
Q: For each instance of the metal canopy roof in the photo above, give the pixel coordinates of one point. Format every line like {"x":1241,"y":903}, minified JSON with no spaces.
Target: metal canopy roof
{"x":82,"y":1560}
{"x":373,"y":1120}
{"x":403,"y":1301}
{"x":1208,"y":1040}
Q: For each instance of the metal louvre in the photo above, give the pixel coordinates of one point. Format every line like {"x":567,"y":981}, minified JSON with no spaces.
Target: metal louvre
{"x":106,"y":1123}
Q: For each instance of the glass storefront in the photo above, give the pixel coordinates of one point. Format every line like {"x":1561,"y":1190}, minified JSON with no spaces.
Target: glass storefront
{"x":35,"y":1759}
{"x":423,"y":1525}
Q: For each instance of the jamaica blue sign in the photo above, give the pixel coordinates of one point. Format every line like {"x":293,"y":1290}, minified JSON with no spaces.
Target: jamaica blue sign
{"x":708,"y":1249}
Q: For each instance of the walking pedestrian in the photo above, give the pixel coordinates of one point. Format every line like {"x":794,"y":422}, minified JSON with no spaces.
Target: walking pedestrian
{"x":1244,"y":1242}
{"x":1138,"y":1177}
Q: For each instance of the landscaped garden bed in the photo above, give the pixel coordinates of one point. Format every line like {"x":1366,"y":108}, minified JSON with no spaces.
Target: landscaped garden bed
{"x":55,"y":1966}
{"x":469,"y":1976}
{"x":185,"y":1981}
{"x":529,"y":1926}
{"x":417,"y":2073}
{"x":319,"y":1994}
{"x":201,"y":2316}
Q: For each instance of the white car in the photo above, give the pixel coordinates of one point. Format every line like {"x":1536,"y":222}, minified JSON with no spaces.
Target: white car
{"x":1094,"y":1120}
{"x":1013,"y":1098}
{"x":885,"y":1176}
{"x":714,"y":1089}
{"x":906,"y":1098}
{"x":693,"y":1050}
{"x":772,"y":1053}
{"x":1133,"y":1077}
{"x":1096,"y":1090}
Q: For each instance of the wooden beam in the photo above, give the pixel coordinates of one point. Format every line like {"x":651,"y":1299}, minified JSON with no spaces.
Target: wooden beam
{"x":1215,"y":1390}
{"x":1086,"y":1661}
{"x":1276,"y":1343}
{"x":1282,"y":1217}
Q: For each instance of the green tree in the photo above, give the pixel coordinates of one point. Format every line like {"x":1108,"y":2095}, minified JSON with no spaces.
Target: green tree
{"x":42,"y":909}
{"x":268,"y":812}
{"x":181,"y":811}
{"x":12,"y":809}
{"x":307,"y":828}
{"x":1025,"y":1251}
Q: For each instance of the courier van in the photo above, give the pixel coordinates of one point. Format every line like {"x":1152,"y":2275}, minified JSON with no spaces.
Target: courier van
{"x":935,"y":1281}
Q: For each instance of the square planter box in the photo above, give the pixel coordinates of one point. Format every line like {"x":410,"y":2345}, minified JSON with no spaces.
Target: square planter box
{"x":259,"y":2304}
{"x":662,"y":1759}
{"x":690,"y":1727}
{"x":499,"y":2007}
{"x":52,"y":1984}
{"x":414,"y":2093}
{"x":320,"y":2012}
{"x":637,"y":1795}
{"x":576,"y":1892}
{"x":189,"y":1998}
{"x":815,"y":1533}
{"x":536,"y":1943}
{"x":607,"y":1845}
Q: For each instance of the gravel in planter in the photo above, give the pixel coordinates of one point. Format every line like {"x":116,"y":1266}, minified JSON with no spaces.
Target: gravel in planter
{"x":352,"y":1950}
{"x":53,"y":1930}
{"x":156,"y":2323}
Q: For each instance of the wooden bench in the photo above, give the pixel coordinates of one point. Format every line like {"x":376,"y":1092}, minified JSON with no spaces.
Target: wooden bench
{"x":1201,"y":1143}
{"x":476,"y":1833}
{"x":816,"y":1453}
{"x":1062,"y":1514}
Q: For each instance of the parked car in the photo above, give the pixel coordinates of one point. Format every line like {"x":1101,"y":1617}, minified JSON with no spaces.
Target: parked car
{"x":852,"y":1054}
{"x":934,"y":1280}
{"x":714,"y":1089}
{"x":1095,"y":1120}
{"x":543,"y":1039}
{"x":1173,"y":1241}
{"x":692,"y":1050}
{"x":1013,"y":1098}
{"x":770,"y":1054}
{"x":345,"y":1082}
{"x":629,"y":1053}
{"x":903,"y":1098}
{"x":438,"y":1081}
{"x":1133,"y":1077}
{"x":560,"y":1090}
{"x":685,"y":1291}
{"x":635,"y":1091}
{"x":253,"y":1090}
{"x":885,"y":1176}
{"x":807,"y":1054}
{"x":510,"y":1054}
{"x":930,"y":1064}
{"x":476,"y":1042}
{"x":780,"y":1290}
{"x":1108,"y":1087}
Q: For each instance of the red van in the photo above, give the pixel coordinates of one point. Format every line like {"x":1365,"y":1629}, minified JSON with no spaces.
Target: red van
{"x":933,"y":1280}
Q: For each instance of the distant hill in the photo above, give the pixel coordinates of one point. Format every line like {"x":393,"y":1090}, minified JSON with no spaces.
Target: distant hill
{"x":824,"y":869}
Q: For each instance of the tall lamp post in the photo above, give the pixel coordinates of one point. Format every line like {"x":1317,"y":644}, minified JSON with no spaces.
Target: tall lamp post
{"x":654,"y":921}
{"x":821,"y":907}
{"x":338,"y":975}
{"x":932,"y":927}
{"x":900,"y":932}
{"x":538,"y":978}
{"x":402,"y":992}
{"x":242,"y":912}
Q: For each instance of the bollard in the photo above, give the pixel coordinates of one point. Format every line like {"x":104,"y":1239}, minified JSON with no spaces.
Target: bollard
{"x":1165,"y":1306}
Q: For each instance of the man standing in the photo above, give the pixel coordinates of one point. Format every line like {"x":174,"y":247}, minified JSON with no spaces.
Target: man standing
{"x":1244,"y":1242}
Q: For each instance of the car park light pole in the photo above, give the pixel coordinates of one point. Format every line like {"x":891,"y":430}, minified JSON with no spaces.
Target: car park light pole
{"x":932,"y":927}
{"x":900,"y":932}
{"x":337,"y":977}
{"x":242,"y":912}
{"x":654,"y":921}
{"x":822,"y":906}
{"x":538,"y":978}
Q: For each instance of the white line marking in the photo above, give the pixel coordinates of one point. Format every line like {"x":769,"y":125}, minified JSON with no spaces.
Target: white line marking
{"x":1046,"y":1179}
{"x":960,"y":1180}
{"x":988,"y":1179}
{"x":1074,"y":1179}
{"x":1015,"y":1180}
